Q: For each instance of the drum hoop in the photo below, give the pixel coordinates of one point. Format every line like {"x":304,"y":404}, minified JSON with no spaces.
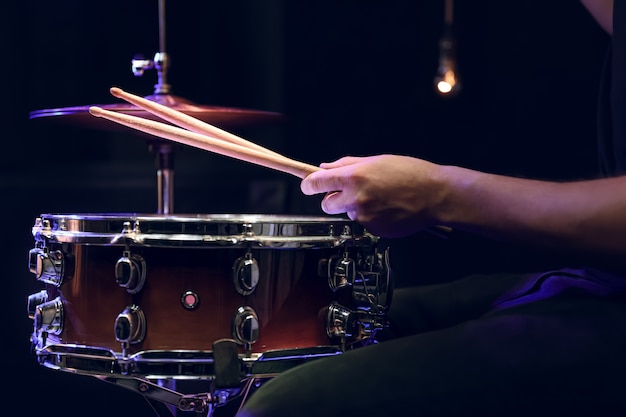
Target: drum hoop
{"x":272,"y":231}
{"x":98,"y":361}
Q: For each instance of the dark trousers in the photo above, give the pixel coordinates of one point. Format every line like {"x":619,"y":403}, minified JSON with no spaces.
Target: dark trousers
{"x":496,"y":345}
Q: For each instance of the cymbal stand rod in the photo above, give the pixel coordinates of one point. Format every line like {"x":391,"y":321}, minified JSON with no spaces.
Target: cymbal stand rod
{"x":164,"y":151}
{"x":162,"y":25}
{"x":165,"y":177}
{"x":165,"y":155}
{"x":161,"y":58}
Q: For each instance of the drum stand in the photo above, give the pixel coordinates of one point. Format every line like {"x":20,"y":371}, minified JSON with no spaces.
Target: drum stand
{"x":165,"y":401}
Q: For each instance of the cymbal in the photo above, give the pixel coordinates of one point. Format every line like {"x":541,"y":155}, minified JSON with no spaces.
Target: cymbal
{"x":223,"y":117}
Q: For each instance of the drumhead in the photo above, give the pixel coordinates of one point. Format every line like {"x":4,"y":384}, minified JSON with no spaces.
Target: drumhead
{"x":197,"y":230}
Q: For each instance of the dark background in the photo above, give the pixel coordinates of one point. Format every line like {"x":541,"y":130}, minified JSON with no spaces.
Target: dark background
{"x":350,"y":77}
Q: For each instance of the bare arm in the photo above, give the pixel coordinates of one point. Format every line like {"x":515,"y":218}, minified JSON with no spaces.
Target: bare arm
{"x":586,"y":217}
{"x":396,"y":196}
{"x":602,"y":11}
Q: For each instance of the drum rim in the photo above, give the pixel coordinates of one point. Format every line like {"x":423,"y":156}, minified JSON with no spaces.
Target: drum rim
{"x":154,"y":363}
{"x":221,"y":229}
{"x":204,"y":217}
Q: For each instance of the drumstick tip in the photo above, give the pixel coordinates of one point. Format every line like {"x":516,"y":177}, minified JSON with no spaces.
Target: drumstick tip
{"x":96,"y":111}
{"x":116,"y":91}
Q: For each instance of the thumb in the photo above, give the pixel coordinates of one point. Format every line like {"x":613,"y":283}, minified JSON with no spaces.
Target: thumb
{"x":323,"y":181}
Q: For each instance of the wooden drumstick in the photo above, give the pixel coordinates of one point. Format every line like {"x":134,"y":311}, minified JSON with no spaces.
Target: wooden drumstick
{"x":197,"y":140}
{"x":208,"y":137}
{"x":185,"y":121}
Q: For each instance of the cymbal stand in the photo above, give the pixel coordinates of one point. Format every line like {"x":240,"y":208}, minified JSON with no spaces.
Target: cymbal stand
{"x":165,"y":175}
{"x":164,"y":151}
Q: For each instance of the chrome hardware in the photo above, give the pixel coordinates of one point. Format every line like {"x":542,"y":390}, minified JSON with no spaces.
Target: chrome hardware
{"x":373,"y":287}
{"x":345,"y":323}
{"x":190,"y":300}
{"x":245,"y":326}
{"x":366,"y":291}
{"x":341,"y":271}
{"x":128,"y":227}
{"x":130,"y":272}
{"x":130,"y":325}
{"x":339,"y":321}
{"x":160,"y":63}
{"x":48,"y":317}
{"x":370,"y":323}
{"x":35,"y":300}
{"x":370,"y":281}
{"x":199,"y":403}
{"x":247,"y":229}
{"x":253,"y":230}
{"x":48,"y":266}
{"x":246,"y":274}
{"x":369,"y":277}
{"x":139,"y":64}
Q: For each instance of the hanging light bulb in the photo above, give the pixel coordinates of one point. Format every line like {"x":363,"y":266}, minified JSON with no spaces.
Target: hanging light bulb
{"x":446,"y":80}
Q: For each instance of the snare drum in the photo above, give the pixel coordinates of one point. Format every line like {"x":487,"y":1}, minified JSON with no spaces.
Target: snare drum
{"x":156,"y":294}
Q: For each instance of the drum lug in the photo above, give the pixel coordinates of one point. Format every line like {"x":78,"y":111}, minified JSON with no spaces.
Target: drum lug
{"x":339,"y":321}
{"x":130,"y":325}
{"x":246,"y":326}
{"x":246,"y":274}
{"x":130,"y":272}
{"x":48,"y":266}
{"x":345,"y":323}
{"x":340,"y":271}
{"x":35,"y":300}
{"x":48,"y":317}
{"x":369,"y":278}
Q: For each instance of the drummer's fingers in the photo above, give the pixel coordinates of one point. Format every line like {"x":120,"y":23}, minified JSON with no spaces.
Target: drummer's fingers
{"x":322,"y":182}
{"x":336,"y":202}
{"x":346,"y":160}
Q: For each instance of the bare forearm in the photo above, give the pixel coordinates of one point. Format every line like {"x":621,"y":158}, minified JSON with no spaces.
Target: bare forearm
{"x":586,"y":217}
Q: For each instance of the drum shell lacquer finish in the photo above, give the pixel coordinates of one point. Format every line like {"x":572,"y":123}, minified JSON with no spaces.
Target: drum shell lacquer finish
{"x":289,"y":298}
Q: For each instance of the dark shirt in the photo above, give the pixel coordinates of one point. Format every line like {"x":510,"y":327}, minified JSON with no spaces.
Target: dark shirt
{"x":612,"y":123}
{"x":612,"y":101}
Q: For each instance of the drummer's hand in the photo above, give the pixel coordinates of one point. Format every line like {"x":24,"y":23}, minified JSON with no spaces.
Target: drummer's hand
{"x":392,"y":196}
